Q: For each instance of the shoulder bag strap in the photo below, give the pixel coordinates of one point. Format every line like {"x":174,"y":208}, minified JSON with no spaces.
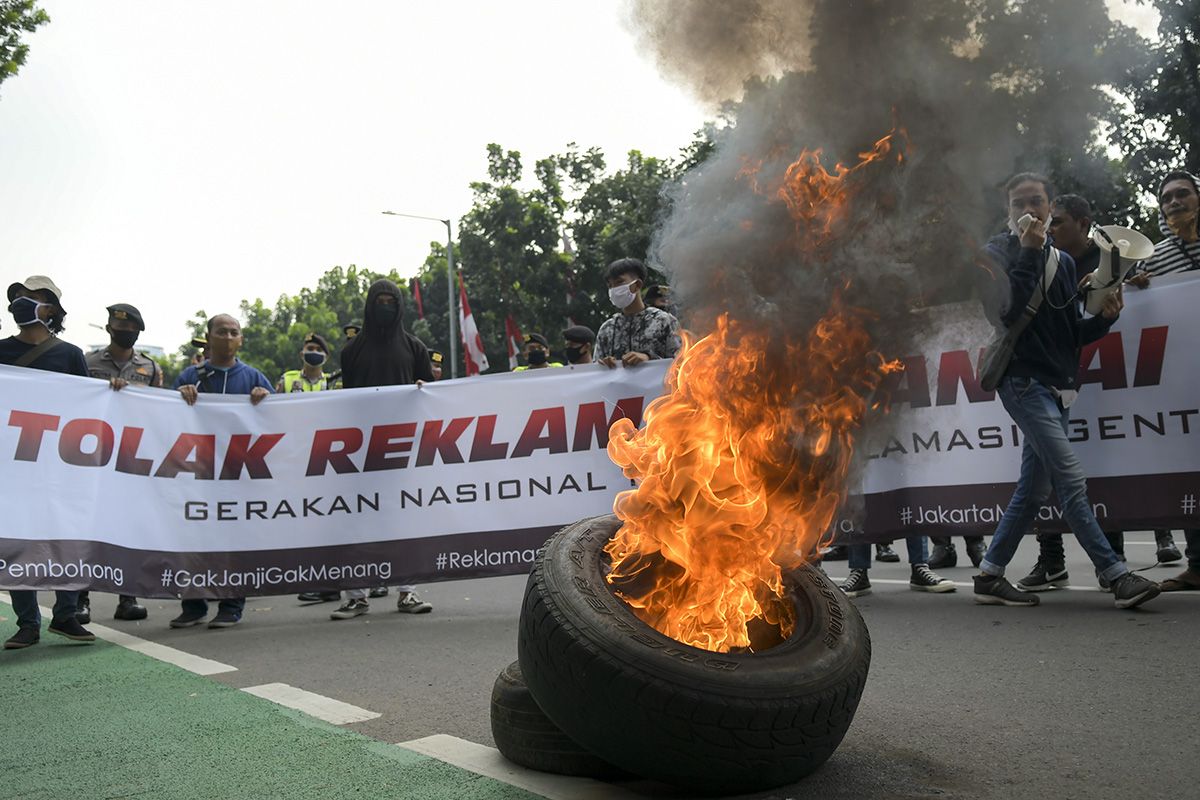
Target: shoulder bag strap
{"x":37,"y":352}
{"x":1035,"y":301}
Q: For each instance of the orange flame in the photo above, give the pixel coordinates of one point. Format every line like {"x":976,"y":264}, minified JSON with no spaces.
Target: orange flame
{"x":744,"y":462}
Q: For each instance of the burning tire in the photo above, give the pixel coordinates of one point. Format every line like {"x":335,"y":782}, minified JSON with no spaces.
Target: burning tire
{"x":711,"y":722}
{"x":526,"y":736}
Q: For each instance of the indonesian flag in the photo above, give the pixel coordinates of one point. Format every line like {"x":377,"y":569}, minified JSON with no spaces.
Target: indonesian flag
{"x":473,"y":355}
{"x":512,"y":335}
{"x":417,"y":297}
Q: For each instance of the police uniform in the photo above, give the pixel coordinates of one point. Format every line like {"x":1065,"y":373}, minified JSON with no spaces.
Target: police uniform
{"x":294,"y":380}
{"x":139,"y":369}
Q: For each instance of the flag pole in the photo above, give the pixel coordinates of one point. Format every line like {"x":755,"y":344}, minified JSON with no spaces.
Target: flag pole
{"x":453,"y":316}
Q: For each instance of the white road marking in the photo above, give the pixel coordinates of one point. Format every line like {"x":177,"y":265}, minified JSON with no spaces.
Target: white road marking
{"x":488,"y":762}
{"x":161,"y":652}
{"x":315,"y":705}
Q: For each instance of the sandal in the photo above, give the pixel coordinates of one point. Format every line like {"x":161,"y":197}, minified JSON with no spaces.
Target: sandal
{"x":1186,"y":581}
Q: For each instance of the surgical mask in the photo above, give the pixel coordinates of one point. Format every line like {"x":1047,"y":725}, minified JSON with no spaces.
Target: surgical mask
{"x":314,"y":357}
{"x":537,"y":357}
{"x":25,"y":311}
{"x":387,"y":313}
{"x":621,"y":296}
{"x":124,"y":339}
{"x":574,"y":353}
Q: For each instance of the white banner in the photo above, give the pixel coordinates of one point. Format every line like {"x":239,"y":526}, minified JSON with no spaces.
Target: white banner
{"x":136,"y":492}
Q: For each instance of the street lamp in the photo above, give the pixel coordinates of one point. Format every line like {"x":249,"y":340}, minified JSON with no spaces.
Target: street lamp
{"x":451,"y":314}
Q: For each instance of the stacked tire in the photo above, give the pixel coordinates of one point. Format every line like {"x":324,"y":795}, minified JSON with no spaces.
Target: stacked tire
{"x":716,"y":723}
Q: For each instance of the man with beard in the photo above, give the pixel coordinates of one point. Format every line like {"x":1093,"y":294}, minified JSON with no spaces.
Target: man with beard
{"x":1037,"y":389}
{"x":384,"y":354}
{"x":121,"y":365}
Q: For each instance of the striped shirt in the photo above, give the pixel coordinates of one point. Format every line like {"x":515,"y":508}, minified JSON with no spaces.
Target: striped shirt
{"x":1171,"y":255}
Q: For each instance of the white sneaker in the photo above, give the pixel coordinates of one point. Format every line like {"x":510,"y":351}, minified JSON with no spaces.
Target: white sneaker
{"x":409,"y":603}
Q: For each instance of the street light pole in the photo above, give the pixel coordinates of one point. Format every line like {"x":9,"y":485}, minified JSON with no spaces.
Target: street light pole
{"x":452,"y":311}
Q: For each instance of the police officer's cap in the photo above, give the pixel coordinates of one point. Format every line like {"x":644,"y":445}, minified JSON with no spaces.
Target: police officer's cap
{"x":538,"y":338}
{"x":580,"y":333}
{"x":436,"y":357}
{"x":351,"y":329}
{"x":319,"y":340}
{"x":126,"y":312}
{"x":199,"y":342}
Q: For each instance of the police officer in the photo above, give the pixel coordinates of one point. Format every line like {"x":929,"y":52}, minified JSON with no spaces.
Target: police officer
{"x":201,"y":354}
{"x":435,"y":361}
{"x":580,"y":340}
{"x":537,"y":353}
{"x":121,"y":365}
{"x":310,"y":378}
{"x":351,"y":330}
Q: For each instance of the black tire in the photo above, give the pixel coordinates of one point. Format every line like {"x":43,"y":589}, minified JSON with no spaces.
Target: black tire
{"x":526,"y":736}
{"x":716,"y":723}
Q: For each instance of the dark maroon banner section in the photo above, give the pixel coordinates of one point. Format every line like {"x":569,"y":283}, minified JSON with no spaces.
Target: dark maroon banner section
{"x":1137,"y":502}
{"x":72,"y":564}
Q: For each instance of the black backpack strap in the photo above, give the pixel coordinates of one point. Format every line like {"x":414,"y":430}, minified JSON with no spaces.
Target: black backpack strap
{"x":37,"y":352}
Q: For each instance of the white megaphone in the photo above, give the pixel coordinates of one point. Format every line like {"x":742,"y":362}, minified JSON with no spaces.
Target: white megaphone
{"x":1120,"y":249}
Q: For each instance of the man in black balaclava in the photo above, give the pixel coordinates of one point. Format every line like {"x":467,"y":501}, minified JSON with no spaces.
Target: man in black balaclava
{"x":383,"y":354}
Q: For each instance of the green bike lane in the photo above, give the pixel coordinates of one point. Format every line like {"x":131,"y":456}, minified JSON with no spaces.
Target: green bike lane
{"x":102,"y":721}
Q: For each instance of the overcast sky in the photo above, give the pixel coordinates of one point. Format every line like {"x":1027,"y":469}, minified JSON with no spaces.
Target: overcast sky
{"x":187,"y":155}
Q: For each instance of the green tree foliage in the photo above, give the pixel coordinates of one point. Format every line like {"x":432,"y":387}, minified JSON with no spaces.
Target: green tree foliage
{"x":1160,"y":130}
{"x":275,"y":335}
{"x":17,"y":17}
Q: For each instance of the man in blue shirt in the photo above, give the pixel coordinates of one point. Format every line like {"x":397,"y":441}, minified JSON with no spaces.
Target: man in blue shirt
{"x":221,"y":373}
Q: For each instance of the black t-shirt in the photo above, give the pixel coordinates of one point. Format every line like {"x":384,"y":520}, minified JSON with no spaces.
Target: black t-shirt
{"x":64,"y":357}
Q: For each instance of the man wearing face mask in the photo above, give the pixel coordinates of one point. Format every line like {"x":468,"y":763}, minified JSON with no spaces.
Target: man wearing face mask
{"x":36,"y":307}
{"x":640,"y":332}
{"x":121,"y":365}
{"x":383,"y":354}
{"x":537,"y":353}
{"x":310,"y":377}
{"x":580,"y":340}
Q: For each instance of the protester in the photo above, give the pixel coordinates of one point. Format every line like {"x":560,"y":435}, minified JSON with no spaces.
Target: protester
{"x":945,"y":554}
{"x":580,"y":340}
{"x":1037,"y":390}
{"x":922,"y":579}
{"x":36,"y":307}
{"x":536,"y":353}
{"x":121,"y":365}
{"x":384,"y":354}
{"x":638,"y":333}
{"x":222,"y":373}
{"x":310,"y":377}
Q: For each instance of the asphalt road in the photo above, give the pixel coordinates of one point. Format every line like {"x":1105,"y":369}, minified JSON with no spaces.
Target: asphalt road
{"x":1073,"y":699}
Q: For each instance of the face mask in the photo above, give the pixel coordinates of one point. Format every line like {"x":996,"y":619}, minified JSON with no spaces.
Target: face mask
{"x":537,"y":357}
{"x":314,"y":357}
{"x":124,"y":339}
{"x":387,"y":314}
{"x":621,"y":296}
{"x":575,"y":353}
{"x":25,"y":311}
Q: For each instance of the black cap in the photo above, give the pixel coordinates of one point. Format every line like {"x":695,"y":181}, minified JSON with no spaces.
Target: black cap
{"x":579,"y":333}
{"x":436,"y":357}
{"x":199,"y":342}
{"x":317,"y":339}
{"x":655,"y":292}
{"x":126,"y":311}
{"x":354,"y":326}
{"x":537,"y":337}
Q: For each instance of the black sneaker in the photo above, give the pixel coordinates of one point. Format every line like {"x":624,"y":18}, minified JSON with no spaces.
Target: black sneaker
{"x":926,"y":580}
{"x":995,"y":590}
{"x":188,"y":618}
{"x":836,"y":553}
{"x":975,"y":550}
{"x":885,"y":554}
{"x":351,"y":609}
{"x":319,"y":597}
{"x":378,"y":591}
{"x":225,"y":619}
{"x":1044,"y":578}
{"x":944,"y":556}
{"x":1167,"y":551}
{"x":71,"y":629}
{"x":857,"y":584}
{"x":129,"y":609}
{"x":409,"y":603}
{"x":1105,"y":586}
{"x":83,"y":610}
{"x":1132,"y":590}
{"x":24,"y":637}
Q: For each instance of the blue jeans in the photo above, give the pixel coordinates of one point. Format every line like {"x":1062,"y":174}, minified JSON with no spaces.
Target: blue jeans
{"x":858,"y":556}
{"x":1046,"y":460}
{"x":25,"y":604}
{"x":233,"y":605}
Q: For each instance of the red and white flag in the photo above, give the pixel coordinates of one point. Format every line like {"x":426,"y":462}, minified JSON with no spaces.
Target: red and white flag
{"x":512,"y":335}
{"x":417,"y":297}
{"x":473,"y":355}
